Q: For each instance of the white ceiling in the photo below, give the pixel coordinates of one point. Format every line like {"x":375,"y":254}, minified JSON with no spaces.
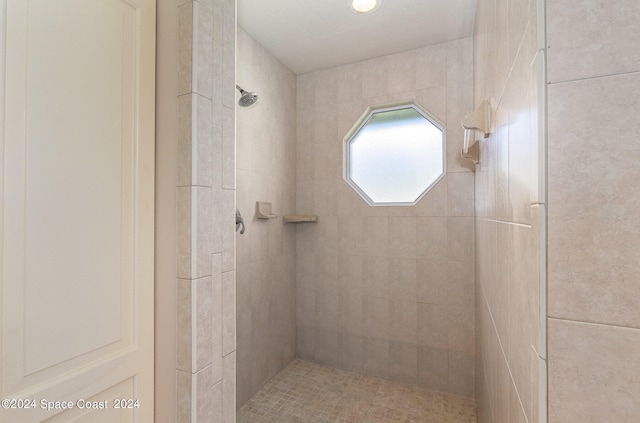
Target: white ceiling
{"x":307,"y":35}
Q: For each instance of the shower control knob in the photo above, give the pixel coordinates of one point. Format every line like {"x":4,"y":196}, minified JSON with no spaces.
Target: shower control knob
{"x":239,"y":222}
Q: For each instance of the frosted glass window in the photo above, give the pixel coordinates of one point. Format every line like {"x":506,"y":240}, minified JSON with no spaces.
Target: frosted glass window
{"x":394,"y":155}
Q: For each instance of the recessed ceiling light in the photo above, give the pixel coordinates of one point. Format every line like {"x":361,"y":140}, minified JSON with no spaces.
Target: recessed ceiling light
{"x":363,"y":6}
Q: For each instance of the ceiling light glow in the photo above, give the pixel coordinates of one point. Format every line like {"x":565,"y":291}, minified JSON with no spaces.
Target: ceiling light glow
{"x":363,"y":6}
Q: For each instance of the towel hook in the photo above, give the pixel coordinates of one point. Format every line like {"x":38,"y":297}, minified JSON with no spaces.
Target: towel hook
{"x":480,"y":121}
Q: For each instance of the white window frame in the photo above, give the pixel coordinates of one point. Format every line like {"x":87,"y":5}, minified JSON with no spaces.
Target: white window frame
{"x":362,"y":121}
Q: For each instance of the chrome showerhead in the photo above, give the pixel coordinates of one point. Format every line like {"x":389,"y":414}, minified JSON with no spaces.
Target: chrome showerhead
{"x":246,"y":98}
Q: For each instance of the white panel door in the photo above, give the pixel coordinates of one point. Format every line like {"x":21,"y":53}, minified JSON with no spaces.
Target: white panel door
{"x":77,"y":186}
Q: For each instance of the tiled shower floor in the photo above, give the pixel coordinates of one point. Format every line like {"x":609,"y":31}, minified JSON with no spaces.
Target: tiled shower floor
{"x":311,"y":393}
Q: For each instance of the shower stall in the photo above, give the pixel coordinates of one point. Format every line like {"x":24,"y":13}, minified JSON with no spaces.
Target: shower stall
{"x":388,"y":292}
{"x":379,"y":291}
{"x":385,"y":291}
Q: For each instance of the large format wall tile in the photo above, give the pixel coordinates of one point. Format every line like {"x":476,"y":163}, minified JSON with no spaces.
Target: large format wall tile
{"x":586,"y":383}
{"x":592,"y":38}
{"x":508,"y":213}
{"x":205,"y":163}
{"x":594,"y":261}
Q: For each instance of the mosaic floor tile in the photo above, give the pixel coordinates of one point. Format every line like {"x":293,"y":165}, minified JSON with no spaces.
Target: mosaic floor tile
{"x":307,"y":392}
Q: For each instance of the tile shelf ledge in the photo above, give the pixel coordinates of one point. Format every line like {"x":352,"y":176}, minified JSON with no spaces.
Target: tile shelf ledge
{"x":300,"y":218}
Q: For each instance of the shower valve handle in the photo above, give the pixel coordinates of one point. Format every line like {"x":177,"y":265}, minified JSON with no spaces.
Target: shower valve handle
{"x":239,"y":222}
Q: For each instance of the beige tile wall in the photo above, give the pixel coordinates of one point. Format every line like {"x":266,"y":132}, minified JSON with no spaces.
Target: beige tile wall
{"x":608,"y":41}
{"x":510,"y":213}
{"x":266,"y":172}
{"x":594,"y":325}
{"x":386,"y":291}
{"x":205,"y":209}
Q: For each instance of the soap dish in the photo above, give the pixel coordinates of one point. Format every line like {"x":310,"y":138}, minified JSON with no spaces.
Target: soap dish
{"x":263,"y":210}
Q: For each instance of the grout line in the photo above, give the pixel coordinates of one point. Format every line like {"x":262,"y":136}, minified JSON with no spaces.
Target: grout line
{"x":524,"y":225}
{"x":587,"y":78}
{"x":587,"y":322}
{"x":503,"y":356}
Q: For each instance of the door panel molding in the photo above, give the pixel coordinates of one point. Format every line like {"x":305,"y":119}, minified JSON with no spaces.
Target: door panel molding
{"x":77,"y":196}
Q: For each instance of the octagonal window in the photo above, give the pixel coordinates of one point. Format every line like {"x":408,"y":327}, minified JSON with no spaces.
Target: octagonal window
{"x":394,"y":154}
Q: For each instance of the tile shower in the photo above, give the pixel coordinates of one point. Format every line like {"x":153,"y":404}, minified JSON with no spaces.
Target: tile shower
{"x":387,"y":291}
{"x":265,"y":140}
{"x":382,"y":291}
{"x":510,"y":215}
{"x":592,"y":89}
{"x":307,"y":392}
{"x":553,"y":206}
